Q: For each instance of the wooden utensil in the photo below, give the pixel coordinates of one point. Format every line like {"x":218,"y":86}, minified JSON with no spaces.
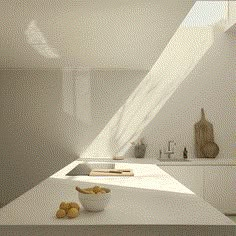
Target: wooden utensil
{"x":203,"y":134}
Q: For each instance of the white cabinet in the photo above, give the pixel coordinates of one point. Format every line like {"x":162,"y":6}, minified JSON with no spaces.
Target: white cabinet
{"x":215,"y":184}
{"x":220,"y":187}
{"x":189,"y":176}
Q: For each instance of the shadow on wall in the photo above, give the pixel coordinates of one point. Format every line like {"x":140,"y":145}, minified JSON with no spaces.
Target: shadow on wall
{"x":37,"y":137}
{"x":46,"y":120}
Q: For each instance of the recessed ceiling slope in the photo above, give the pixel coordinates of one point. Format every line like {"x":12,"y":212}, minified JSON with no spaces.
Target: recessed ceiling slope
{"x":93,"y":34}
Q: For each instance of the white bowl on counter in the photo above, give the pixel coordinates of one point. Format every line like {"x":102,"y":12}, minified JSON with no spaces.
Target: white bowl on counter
{"x":95,"y":202}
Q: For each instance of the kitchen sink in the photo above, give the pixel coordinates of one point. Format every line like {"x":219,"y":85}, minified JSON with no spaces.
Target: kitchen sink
{"x":85,"y":168}
{"x":173,"y":160}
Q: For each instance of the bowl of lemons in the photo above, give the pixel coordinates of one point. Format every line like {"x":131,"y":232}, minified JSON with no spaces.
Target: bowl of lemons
{"x":95,"y":198}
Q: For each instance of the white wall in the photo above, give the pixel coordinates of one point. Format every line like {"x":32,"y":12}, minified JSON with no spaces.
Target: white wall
{"x":232,"y":12}
{"x":110,"y":89}
{"x":210,"y":85}
{"x":95,"y":34}
{"x":38,"y":135}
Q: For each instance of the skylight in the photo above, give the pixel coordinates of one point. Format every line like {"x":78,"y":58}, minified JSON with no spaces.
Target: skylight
{"x":205,"y":13}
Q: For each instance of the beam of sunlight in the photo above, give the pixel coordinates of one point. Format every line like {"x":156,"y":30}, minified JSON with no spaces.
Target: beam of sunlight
{"x":77,"y":94}
{"x":37,"y":41}
{"x":181,"y":55}
{"x":146,"y":176}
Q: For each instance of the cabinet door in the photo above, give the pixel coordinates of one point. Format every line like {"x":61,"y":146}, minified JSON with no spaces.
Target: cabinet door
{"x":220,"y":188}
{"x":190,"y":176}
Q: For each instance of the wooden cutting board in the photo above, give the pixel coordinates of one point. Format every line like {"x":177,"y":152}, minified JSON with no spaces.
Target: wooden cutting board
{"x":203,"y":134}
{"x":109,"y":172}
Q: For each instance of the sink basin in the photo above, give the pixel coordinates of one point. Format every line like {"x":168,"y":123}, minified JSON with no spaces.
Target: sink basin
{"x":85,"y":168}
{"x":173,"y":160}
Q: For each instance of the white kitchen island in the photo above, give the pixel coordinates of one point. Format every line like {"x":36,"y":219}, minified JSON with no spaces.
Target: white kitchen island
{"x":150,"y":203}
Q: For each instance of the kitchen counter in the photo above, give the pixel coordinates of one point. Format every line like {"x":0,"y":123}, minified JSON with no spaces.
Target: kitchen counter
{"x":190,"y":162}
{"x":203,"y":162}
{"x":151,"y":200}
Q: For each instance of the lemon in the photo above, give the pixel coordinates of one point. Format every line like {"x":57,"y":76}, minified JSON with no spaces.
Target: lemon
{"x":65,"y":206}
{"x":74,"y":205}
{"x":73,"y":212}
{"x":60,"y":213}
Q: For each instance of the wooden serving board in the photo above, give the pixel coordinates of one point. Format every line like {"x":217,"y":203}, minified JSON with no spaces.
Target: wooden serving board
{"x":203,"y":134}
{"x":111,"y":172}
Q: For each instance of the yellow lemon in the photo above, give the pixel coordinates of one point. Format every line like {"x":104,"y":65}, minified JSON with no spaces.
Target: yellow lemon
{"x":74,"y":205}
{"x":65,"y":206}
{"x":61,"y":213}
{"x":73,"y":212}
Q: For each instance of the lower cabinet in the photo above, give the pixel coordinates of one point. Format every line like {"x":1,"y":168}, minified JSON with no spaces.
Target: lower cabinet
{"x":190,"y":176}
{"x":220,"y":187}
{"x":216,"y":184}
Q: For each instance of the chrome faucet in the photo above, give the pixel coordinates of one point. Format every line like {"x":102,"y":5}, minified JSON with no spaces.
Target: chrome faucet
{"x":170,"y":150}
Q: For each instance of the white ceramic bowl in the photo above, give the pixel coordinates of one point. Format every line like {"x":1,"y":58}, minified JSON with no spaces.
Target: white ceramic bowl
{"x":95,"y":202}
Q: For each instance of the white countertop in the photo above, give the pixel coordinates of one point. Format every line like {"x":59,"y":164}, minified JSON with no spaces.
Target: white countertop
{"x":151,"y":197}
{"x":190,"y":162}
{"x":203,"y":162}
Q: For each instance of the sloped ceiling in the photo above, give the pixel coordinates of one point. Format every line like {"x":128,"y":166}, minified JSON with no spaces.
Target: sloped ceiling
{"x":89,"y":33}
